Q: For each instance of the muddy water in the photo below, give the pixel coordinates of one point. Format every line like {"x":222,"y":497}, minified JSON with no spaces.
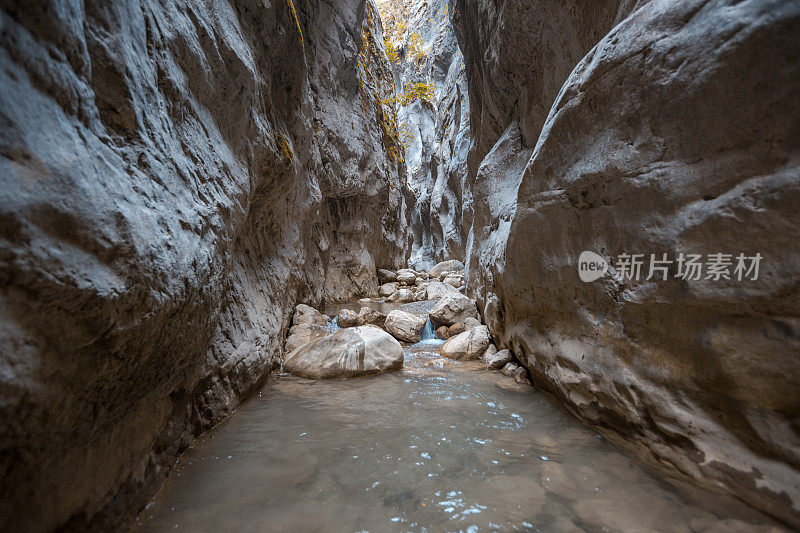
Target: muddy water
{"x":438,"y":446}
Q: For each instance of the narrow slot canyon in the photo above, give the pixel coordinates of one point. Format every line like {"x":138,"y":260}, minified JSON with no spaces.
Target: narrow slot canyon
{"x":400,"y":265}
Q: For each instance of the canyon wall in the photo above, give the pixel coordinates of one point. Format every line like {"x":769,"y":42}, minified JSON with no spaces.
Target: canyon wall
{"x":434,"y":130}
{"x":656,"y":127}
{"x":174,"y":178}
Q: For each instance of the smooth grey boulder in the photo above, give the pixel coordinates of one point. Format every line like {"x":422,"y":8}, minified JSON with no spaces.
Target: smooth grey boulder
{"x":509,"y":369}
{"x":386,"y":276}
{"x":346,"y":318}
{"x":490,"y":351}
{"x":367,"y":315}
{"x":305,"y":314}
{"x":453,"y":308}
{"x":445,"y":267}
{"x":348,"y":353}
{"x":404,"y":326}
{"x":499,"y":359}
{"x":467,"y":346}
{"x":402,"y":296}
{"x":470,"y":323}
{"x":409,"y":278}
{"x":387,"y":289}
{"x":436,"y":290}
{"x":301,"y":334}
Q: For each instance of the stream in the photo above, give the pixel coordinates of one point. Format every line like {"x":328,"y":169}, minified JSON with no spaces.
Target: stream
{"x":439,"y":446}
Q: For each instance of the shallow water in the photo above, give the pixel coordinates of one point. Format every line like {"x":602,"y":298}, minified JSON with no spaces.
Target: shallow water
{"x":440,"y":445}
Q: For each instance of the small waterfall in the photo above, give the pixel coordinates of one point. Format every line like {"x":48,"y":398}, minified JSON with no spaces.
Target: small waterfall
{"x":428,"y":333}
{"x":428,"y":336}
{"x":333,"y":325}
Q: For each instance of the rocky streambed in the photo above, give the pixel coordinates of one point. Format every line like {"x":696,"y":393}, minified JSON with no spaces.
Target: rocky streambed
{"x":440,"y":440}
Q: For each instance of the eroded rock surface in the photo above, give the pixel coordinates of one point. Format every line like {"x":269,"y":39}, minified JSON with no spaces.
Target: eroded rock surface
{"x":404,"y":325}
{"x":435,"y":130}
{"x":348,"y":353}
{"x":174,"y":178}
{"x":676,"y":133}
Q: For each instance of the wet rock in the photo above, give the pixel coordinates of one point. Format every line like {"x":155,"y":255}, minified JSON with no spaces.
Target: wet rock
{"x":347,"y":353}
{"x":437,"y":290}
{"x":446,"y":267}
{"x":719,"y":176}
{"x":510,"y":368}
{"x":387,"y":289}
{"x":367,"y":315}
{"x":346,"y":318}
{"x":174,"y":178}
{"x":443,"y":332}
{"x":409,"y":278}
{"x":490,"y":351}
{"x":499,"y":360}
{"x":404,"y":326}
{"x":466,"y":346}
{"x":301,"y":334}
{"x":453,"y":308}
{"x":402,"y":295}
{"x":456,"y":329}
{"x":304,"y":314}
{"x":521,"y":376}
{"x":386,"y":276}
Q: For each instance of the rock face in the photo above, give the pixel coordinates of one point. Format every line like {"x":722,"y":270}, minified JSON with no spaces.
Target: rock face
{"x":435,"y":130}
{"x":348,"y":353}
{"x":404,"y":325}
{"x":174,"y":178}
{"x":676,"y":133}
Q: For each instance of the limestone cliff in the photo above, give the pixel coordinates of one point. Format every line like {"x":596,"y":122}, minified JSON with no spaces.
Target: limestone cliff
{"x":174,"y":178}
{"x":434,"y":128}
{"x":657,"y":127}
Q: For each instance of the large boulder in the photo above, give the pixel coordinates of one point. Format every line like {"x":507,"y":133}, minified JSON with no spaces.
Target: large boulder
{"x":305,"y":314}
{"x":404,"y":325}
{"x":445,"y":267}
{"x":498,"y":359}
{"x":347,"y":353}
{"x":386,"y":276}
{"x":409,"y":278}
{"x":402,"y":296}
{"x":466,"y":346}
{"x":387,"y":289}
{"x":453,"y":308}
{"x":301,"y":334}
{"x":367,"y":315}
{"x":346,"y":318}
{"x":436,"y":290}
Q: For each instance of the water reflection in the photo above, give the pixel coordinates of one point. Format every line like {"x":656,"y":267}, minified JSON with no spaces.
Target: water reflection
{"x":439,"y":446}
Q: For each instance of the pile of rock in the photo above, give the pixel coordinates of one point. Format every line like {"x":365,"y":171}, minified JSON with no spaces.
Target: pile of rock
{"x":409,"y":285}
{"x":369,"y":341}
{"x":360,"y":348}
{"x":457,"y":320}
